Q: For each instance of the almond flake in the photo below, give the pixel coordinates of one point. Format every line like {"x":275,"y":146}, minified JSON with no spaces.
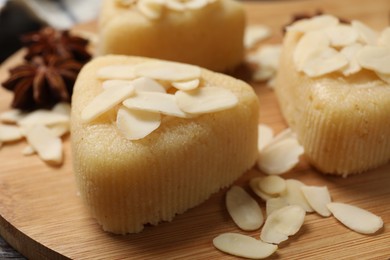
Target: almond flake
{"x":105,"y":101}
{"x":28,"y":150}
{"x":62,"y":108}
{"x":255,"y":34}
{"x":148,"y":85}
{"x":155,"y":102}
{"x":47,"y":145}
{"x":167,"y":70}
{"x":11,"y":116}
{"x":265,"y":134}
{"x":243,"y":209}
{"x":384,"y":38}
{"x":342,"y":35}
{"x":355,"y":218}
{"x":115,"y":82}
{"x":375,"y":58}
{"x":136,"y":124}
{"x":272,"y":185}
{"x":116,"y":72}
{"x":367,"y":35}
{"x":282,"y":223}
{"x":280,"y":157}
{"x":152,"y":9}
{"x":10,"y":133}
{"x":43,"y":117}
{"x":254,"y":185}
{"x":318,"y":198}
{"x":273,"y":204}
{"x":313,"y":24}
{"x":350,"y":52}
{"x":243,"y":246}
{"x":294,"y":196}
{"x":186,"y":85}
{"x":323,"y":61}
{"x":263,"y":74}
{"x":205,"y":100}
{"x":60,"y":129}
{"x":268,"y":56}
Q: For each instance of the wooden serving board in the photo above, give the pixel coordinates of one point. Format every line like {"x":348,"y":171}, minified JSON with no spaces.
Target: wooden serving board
{"x":43,"y":217}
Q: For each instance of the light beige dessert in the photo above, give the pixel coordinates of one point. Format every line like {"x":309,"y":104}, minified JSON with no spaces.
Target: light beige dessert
{"x":207,"y":33}
{"x":151,"y":138}
{"x":333,"y":87}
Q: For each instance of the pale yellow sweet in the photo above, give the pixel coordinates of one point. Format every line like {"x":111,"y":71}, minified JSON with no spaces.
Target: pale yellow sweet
{"x":342,"y":122}
{"x":127,"y":184}
{"x":211,"y":37}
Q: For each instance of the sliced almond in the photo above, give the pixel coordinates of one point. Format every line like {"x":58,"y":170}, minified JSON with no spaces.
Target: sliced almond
{"x":265,"y":134}
{"x":43,"y":117}
{"x":243,"y":246}
{"x":384,"y":38}
{"x":318,"y":198}
{"x":355,"y":218}
{"x":282,"y":223}
{"x":62,"y":108}
{"x":136,"y":124}
{"x":294,"y":196}
{"x":115,"y":82}
{"x":263,"y":74}
{"x":152,"y":9}
{"x":323,"y":61}
{"x":255,"y":34}
{"x":273,"y":204}
{"x":12,"y":116}
{"x":155,"y":102}
{"x":47,"y":145}
{"x":60,"y":129}
{"x":167,"y":70}
{"x":285,"y":134}
{"x":10,"y":133}
{"x":243,"y":209}
{"x":28,"y":150}
{"x":350,"y":52}
{"x":186,"y":85}
{"x":342,"y":35}
{"x":375,"y":58}
{"x":148,"y":85}
{"x":313,"y":24}
{"x":254,"y":184}
{"x":272,"y":184}
{"x":105,"y":101}
{"x":366,"y":34}
{"x":116,"y":72}
{"x":205,"y":100}
{"x":280,"y":157}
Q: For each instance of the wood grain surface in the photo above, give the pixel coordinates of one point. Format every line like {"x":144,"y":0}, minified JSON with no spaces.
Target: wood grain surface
{"x":43,"y":217}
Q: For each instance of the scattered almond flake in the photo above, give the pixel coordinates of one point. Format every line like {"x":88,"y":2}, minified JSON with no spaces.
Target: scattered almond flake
{"x":355,"y":218}
{"x":375,"y":58}
{"x":136,"y":124}
{"x":313,"y":24}
{"x":323,"y":61}
{"x":43,"y":117}
{"x":254,"y":34}
{"x":282,"y":223}
{"x":28,"y":150}
{"x":342,"y":35}
{"x":243,"y":246}
{"x":294,"y":196}
{"x":11,"y":116}
{"x":115,"y":82}
{"x":384,"y":38}
{"x":156,"y":102}
{"x":273,"y":184}
{"x":205,"y":100}
{"x":286,"y":133}
{"x":10,"y":133}
{"x":273,"y":204}
{"x":60,"y":129}
{"x":186,"y":85}
{"x":307,"y":44}
{"x":167,"y":70}
{"x":265,"y":134}
{"x":148,"y":85}
{"x":262,"y":74}
{"x":318,"y":198}
{"x":116,"y":72}
{"x":254,"y":185}
{"x":105,"y":101}
{"x":47,"y":145}
{"x":152,"y":9}
{"x":366,"y":34}
{"x":243,"y":209}
{"x":280,"y":157}
{"x":350,"y":52}
{"x":62,"y":108}
{"x":269,"y":55}
{"x":384,"y":77}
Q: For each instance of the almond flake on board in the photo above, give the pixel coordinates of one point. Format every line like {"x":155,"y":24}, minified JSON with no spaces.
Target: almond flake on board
{"x":366,"y":34}
{"x":243,"y":246}
{"x":254,"y":185}
{"x":265,"y":134}
{"x":243,"y":209}
{"x":342,"y":35}
{"x":11,"y":116}
{"x":318,"y":198}
{"x":355,"y":218}
{"x":136,"y":124}
{"x":273,"y":204}
{"x":255,"y":33}
{"x":125,"y":72}
{"x":375,"y":58}
{"x":282,"y":223}
{"x":294,"y":196}
{"x":10,"y":133}
{"x":313,"y":24}
{"x":273,"y":184}
{"x":43,"y":117}
{"x":28,"y":150}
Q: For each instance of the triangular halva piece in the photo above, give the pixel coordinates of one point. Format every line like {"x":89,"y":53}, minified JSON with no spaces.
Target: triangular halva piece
{"x":142,"y":156}
{"x":334,"y":92}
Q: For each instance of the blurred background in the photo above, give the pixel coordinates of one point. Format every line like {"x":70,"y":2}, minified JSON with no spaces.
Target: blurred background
{"x":21,"y":16}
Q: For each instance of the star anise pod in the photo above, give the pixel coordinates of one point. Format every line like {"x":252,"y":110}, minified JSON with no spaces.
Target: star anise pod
{"x":48,"y":42}
{"x":42,"y":82}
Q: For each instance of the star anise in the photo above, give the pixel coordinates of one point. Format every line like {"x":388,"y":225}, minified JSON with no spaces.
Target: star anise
{"x":42,"y":82}
{"x":48,"y":42}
